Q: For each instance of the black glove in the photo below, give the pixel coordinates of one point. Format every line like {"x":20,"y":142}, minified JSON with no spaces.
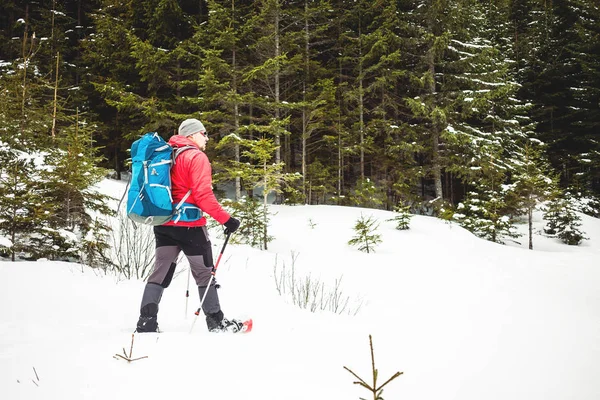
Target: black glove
{"x":231,"y":225}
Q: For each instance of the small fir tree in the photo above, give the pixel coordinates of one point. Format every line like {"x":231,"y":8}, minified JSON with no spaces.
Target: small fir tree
{"x":534,"y":183}
{"x":24,"y":212}
{"x":585,"y":203}
{"x":488,"y":208}
{"x":402,"y":217}
{"x":260,"y":172}
{"x":367,"y":194}
{"x":95,"y":247}
{"x":319,"y":183}
{"x":483,"y":215}
{"x":253,"y":221}
{"x":365,"y":237}
{"x":563,"y":222}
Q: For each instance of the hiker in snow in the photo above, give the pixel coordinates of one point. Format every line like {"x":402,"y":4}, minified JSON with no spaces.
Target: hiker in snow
{"x":191,"y":171}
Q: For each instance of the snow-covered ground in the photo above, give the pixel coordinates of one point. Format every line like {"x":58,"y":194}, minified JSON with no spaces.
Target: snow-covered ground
{"x":461,"y":317}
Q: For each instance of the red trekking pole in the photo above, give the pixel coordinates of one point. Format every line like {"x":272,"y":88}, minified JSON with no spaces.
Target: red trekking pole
{"x":212,"y":276}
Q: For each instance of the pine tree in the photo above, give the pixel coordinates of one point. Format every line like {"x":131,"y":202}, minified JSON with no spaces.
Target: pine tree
{"x":586,"y":95}
{"x":272,"y":65}
{"x":317,"y":104}
{"x":47,"y":171}
{"x":133,"y":58}
{"x":25,"y":213}
{"x":352,"y":59}
{"x":402,"y":217}
{"x":486,"y":210}
{"x":563,"y":222}
{"x":71,"y":181}
{"x":534,"y":183}
{"x":320,"y":182}
{"x":365,"y":238}
{"x":255,"y":221}
{"x":465,"y":95}
{"x":260,"y":172}
{"x":392,"y":166}
{"x":222,"y":43}
{"x":115,"y":87}
{"x":555,"y":84}
{"x":415,"y":95}
{"x":318,"y":110}
{"x":367,"y":194}
{"x":430,"y":24}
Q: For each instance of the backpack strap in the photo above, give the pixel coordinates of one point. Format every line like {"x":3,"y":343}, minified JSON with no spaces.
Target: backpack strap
{"x":179,"y":150}
{"x":178,"y":206}
{"x":176,"y":153}
{"x":188,"y":212}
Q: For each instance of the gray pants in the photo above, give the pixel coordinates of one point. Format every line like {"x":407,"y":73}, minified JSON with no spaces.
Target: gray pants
{"x":195,"y":244}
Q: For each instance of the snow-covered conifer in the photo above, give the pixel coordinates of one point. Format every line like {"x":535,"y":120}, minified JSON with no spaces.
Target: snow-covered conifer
{"x":366,"y":237}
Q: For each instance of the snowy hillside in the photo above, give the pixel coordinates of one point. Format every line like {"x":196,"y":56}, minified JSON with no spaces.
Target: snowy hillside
{"x":461,"y":317}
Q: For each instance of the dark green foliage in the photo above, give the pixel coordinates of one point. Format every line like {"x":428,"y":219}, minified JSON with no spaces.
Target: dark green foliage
{"x":319,"y":183}
{"x":485,"y":214}
{"x":47,"y":201}
{"x":402,"y":217}
{"x":369,"y":103}
{"x":534,"y":183}
{"x":367,"y":194}
{"x":586,"y":204}
{"x":563,"y":222}
{"x":25,"y":214}
{"x":49,"y":166}
{"x":262,"y":172}
{"x":366,"y":237}
{"x":254,"y":221}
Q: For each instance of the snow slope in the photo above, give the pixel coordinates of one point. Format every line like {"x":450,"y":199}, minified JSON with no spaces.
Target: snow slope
{"x":461,"y":317}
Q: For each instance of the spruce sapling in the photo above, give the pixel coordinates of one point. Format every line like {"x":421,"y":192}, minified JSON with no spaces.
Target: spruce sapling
{"x":563,"y":222}
{"x":366,"y":237}
{"x":255,"y":219}
{"x":402,"y":217}
{"x":377,"y":391}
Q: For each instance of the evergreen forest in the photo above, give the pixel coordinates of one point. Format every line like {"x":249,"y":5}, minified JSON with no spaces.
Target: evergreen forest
{"x":472,"y":110}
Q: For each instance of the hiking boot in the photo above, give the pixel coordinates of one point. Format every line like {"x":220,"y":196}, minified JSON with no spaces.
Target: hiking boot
{"x":213,"y":321}
{"x":227,"y":325}
{"x":217,"y":323}
{"x":147,"y":324}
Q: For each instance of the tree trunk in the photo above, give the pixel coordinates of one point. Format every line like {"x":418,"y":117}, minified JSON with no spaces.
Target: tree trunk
{"x":360,"y":104}
{"x":236,"y":118}
{"x":435,"y":135}
{"x":340,"y":165}
{"x":530,"y":223}
{"x":304,"y":99}
{"x":304,"y":111}
{"x":265,"y":206}
{"x":13,"y":224}
{"x":278,"y":197}
{"x":25,"y":61}
{"x":277,"y":88}
{"x":55,"y":99}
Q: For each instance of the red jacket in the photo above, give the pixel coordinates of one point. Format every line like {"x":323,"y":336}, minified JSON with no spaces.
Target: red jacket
{"x":192,"y":170}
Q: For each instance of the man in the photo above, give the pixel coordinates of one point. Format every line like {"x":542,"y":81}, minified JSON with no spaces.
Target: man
{"x":191,"y":171}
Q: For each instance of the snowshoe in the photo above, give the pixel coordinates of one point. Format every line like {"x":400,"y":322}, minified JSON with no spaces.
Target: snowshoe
{"x":233,"y":326}
{"x":228,"y":326}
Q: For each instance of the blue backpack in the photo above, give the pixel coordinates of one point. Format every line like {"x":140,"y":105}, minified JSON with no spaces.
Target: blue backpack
{"x":149,"y":199}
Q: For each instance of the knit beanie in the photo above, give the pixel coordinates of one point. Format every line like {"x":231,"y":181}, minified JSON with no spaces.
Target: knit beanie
{"x":191,"y":126}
